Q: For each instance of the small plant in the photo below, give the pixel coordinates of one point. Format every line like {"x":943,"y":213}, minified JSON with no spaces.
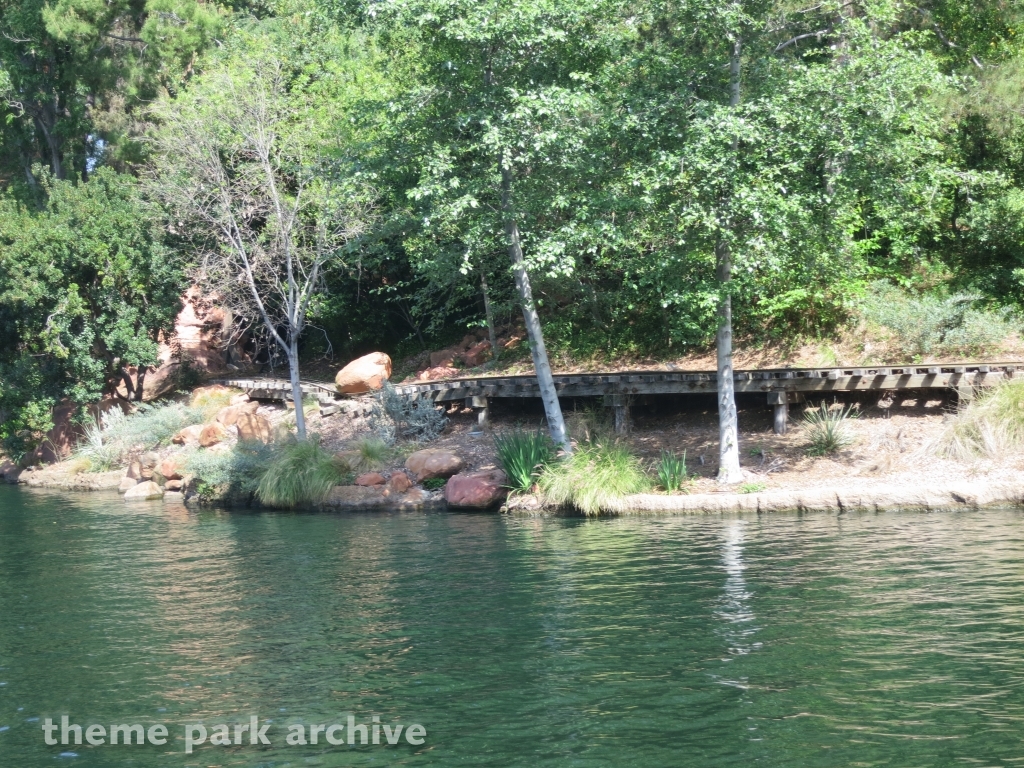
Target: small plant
{"x":672,"y":472}
{"x":301,"y":473}
{"x":992,"y":425}
{"x":593,"y":477}
{"x":396,"y":415}
{"x":372,"y":453}
{"x":827,"y":429}
{"x":433,"y":483}
{"x":752,"y":487}
{"x":523,"y":456}
{"x":109,"y":441}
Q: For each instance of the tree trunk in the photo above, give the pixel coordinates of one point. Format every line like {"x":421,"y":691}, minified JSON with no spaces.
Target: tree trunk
{"x":492,"y":335}
{"x":293,"y":372}
{"x":541,"y":365}
{"x":140,"y":386}
{"x":728,"y":432}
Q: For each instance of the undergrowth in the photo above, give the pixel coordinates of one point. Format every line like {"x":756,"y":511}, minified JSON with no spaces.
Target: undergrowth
{"x":301,"y":473}
{"x":990,"y":425}
{"x":593,"y":476}
{"x":827,"y":429}
{"x":671,"y":471}
{"x":523,"y":456}
{"x":107,"y":443}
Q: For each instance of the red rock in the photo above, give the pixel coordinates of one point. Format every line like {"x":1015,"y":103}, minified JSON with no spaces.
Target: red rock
{"x":399,"y":483}
{"x":363,"y":374}
{"x":188,"y":436}
{"x":477,"y":490}
{"x":433,"y":462}
{"x":134,"y":470}
{"x":60,"y":439}
{"x":174,"y":485}
{"x":435,"y":374}
{"x":232,"y":413}
{"x":370,"y":478}
{"x":169,"y":469}
{"x":213,"y":434}
{"x":477,"y":354}
{"x":443,"y":358}
{"x":254,"y":428}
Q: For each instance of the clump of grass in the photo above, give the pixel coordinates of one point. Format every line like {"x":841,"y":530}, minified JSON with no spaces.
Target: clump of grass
{"x":752,"y":487}
{"x":595,"y":475}
{"x":368,"y":454}
{"x":433,"y":483}
{"x":672,"y":472}
{"x":523,"y":456}
{"x":108,"y":442}
{"x":991,"y":425}
{"x":301,"y":473}
{"x":207,"y":401}
{"x":828,"y":429}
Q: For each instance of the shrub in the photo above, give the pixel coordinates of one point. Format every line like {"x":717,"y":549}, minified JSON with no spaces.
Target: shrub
{"x":523,"y":456}
{"x":229,"y":473}
{"x":933,"y":325}
{"x":396,"y":415}
{"x":107,"y":444}
{"x":990,"y":425}
{"x":301,"y":473}
{"x":433,"y":483}
{"x":373,"y":454}
{"x":672,"y":471}
{"x":827,"y":429}
{"x":593,"y":476}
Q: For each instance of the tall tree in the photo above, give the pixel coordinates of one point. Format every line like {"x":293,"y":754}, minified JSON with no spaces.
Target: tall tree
{"x":249,"y":166}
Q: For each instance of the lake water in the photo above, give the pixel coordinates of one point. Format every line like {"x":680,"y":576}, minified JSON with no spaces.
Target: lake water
{"x":783,"y":640}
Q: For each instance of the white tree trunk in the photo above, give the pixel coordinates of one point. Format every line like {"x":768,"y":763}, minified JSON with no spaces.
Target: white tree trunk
{"x":541,"y":365}
{"x":728,"y":431}
{"x":293,"y":373}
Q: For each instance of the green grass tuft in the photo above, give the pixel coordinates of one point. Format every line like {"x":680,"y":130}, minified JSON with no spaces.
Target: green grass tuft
{"x":990,"y":425}
{"x":523,"y":456}
{"x":373,"y":454}
{"x":593,"y":476}
{"x":672,"y":472}
{"x":108,"y":443}
{"x":301,"y":473}
{"x":827,"y":429}
{"x":433,"y":483}
{"x":754,"y":487}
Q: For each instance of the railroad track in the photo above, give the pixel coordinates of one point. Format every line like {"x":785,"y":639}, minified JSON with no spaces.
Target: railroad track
{"x":781,"y":386}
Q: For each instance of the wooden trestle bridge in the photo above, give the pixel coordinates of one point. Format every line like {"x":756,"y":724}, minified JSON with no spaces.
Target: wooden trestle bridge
{"x":780,"y":386}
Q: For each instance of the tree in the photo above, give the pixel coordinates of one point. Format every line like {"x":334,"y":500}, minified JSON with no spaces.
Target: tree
{"x":86,"y":288}
{"x":249,"y":170}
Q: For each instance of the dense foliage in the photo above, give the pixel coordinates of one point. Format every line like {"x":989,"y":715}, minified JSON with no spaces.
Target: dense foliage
{"x":838,"y":151}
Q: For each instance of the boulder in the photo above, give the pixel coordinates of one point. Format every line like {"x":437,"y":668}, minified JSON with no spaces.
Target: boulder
{"x":60,"y":439}
{"x":127,"y":483}
{"x":169,"y":469}
{"x":134,"y":470}
{"x":188,"y":436}
{"x":144,"y":492}
{"x":435,"y":374}
{"x":213,"y":434}
{"x":399,"y":483}
{"x":478,"y":490}
{"x":368,"y":479}
{"x":254,"y":428}
{"x":363,"y":374}
{"x":173,"y":485}
{"x":443,"y":358}
{"x":477,"y":354}
{"x":239,"y":399}
{"x":433,"y":462}
{"x":232,"y":413}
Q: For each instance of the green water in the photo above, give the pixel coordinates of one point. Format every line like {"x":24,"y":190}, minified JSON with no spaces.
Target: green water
{"x":815,"y":640}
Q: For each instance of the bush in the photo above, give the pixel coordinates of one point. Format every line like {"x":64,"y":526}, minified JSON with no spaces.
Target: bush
{"x":932,"y":325}
{"x":396,"y":415}
{"x":593,"y":476}
{"x":990,"y":425}
{"x":672,"y":472}
{"x":827,"y":430}
{"x":301,"y":473}
{"x":231,"y":473}
{"x":523,"y":456}
{"x":108,"y":443}
{"x":373,"y":454}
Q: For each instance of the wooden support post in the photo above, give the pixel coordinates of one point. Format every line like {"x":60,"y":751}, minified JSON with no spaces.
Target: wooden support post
{"x":781,"y":402}
{"x":620,"y":408}
{"x":483,"y":410}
